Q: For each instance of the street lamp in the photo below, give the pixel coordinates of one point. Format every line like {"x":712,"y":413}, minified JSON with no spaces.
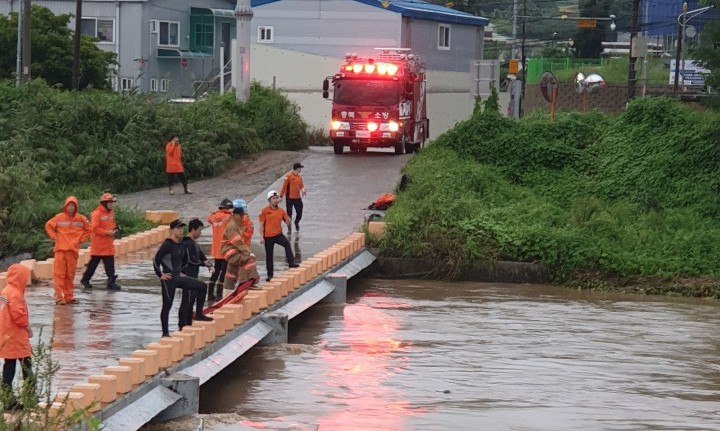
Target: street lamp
{"x":682,"y":24}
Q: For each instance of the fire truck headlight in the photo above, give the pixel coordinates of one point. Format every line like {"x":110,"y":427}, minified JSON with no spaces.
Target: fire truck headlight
{"x":392,"y":69}
{"x":369,"y":68}
{"x":357,"y":68}
{"x":372,"y":126}
{"x":389,"y":127}
{"x":340,"y":125}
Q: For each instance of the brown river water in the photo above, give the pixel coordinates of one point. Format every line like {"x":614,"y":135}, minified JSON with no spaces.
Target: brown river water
{"x":426,"y":355}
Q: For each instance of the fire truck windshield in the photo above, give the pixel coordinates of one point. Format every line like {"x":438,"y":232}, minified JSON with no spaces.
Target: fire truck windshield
{"x":359,"y":92}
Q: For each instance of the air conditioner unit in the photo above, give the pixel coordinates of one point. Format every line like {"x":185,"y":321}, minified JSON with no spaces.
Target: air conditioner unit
{"x":153,"y":26}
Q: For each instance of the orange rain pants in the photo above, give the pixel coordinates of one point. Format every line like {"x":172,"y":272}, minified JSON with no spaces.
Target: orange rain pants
{"x":64,"y":271}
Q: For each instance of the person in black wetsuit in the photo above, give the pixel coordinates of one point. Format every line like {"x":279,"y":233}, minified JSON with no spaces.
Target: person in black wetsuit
{"x":170,"y":262}
{"x":196,"y":259}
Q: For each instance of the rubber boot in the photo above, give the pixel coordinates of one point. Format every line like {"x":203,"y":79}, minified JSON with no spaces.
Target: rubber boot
{"x":211,"y":291}
{"x":219,"y":294}
{"x":111,"y":285}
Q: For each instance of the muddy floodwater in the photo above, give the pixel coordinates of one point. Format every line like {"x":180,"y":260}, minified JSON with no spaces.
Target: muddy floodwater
{"x":424,"y":355}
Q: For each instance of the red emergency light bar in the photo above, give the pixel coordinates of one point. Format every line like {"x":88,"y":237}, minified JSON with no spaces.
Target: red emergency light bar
{"x":387,"y":69}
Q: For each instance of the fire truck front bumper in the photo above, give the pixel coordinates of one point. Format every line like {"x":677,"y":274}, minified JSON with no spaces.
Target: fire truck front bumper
{"x":365,"y":137}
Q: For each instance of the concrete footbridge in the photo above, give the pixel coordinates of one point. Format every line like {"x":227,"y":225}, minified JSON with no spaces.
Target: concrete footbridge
{"x":109,"y":346}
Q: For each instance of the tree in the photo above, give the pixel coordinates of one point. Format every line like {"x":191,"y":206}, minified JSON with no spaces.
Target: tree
{"x":52,"y":51}
{"x":707,"y":52}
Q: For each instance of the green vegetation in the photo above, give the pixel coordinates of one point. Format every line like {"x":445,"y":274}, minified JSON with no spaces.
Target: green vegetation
{"x":55,"y":143}
{"x":52,"y":49}
{"x":34,"y":416}
{"x":613,"y":70}
{"x":629,"y":201}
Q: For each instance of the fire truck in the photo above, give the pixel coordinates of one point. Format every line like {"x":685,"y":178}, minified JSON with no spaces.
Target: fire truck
{"x":379,"y":102}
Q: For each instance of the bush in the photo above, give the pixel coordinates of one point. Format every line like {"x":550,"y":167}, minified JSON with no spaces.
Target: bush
{"x":635,"y":195}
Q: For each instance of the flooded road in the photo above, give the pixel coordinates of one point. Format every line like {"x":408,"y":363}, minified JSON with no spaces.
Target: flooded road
{"x":423,"y":355}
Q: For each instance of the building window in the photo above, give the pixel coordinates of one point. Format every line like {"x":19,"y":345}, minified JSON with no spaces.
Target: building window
{"x":202,"y":33}
{"x":153,"y":84}
{"x":164,"y":84}
{"x":266,"y":34}
{"x":102,"y":29}
{"x":169,"y":33}
{"x":443,"y":36}
{"x":126,"y":84}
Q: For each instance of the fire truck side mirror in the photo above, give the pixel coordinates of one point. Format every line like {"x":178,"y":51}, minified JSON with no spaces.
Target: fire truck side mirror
{"x":326,"y":89}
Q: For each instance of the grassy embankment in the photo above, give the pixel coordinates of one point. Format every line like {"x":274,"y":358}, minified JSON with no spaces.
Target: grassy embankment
{"x":620,"y":203}
{"x":55,"y":143}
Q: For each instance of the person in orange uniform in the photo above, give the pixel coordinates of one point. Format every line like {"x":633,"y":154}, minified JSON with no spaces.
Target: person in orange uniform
{"x":15,"y":333}
{"x":218,"y":220}
{"x":102,"y":246}
{"x":294,"y":189}
{"x":271,"y":219}
{"x":173,"y":164}
{"x":240,"y":260}
{"x":68,"y":230}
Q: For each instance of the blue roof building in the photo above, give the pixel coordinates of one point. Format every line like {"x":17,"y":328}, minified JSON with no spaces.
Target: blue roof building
{"x":659,"y":17}
{"x":444,"y":38}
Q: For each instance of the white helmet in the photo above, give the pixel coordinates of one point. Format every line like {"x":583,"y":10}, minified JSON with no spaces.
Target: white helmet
{"x":272,"y":193}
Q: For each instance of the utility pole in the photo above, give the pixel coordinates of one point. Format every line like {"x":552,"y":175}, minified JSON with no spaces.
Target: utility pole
{"x":243,"y":18}
{"x":513,"y":53}
{"x":632,"y":61}
{"x":18,"y":54}
{"x":681,"y":32}
{"x":522,"y":54}
{"x":76,"y":46}
{"x":25,"y":72}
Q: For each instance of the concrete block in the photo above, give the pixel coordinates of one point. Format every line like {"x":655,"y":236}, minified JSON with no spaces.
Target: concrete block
{"x":43,"y":270}
{"x":237,"y":312}
{"x":209,"y":332}
{"x":309,"y":270}
{"x":161,"y":216}
{"x":246,"y":312}
{"x":29,"y":264}
{"x":121,"y":247}
{"x":258,"y":299}
{"x":199,"y":333}
{"x":123,"y":375}
{"x":137,"y":369}
{"x":151,"y":358}
{"x":164,"y":354}
{"x":186,"y":386}
{"x":279,"y":333}
{"x":220,"y":325}
{"x":377,"y":228}
{"x":339,"y":294}
{"x":132,"y":243}
{"x":228,"y":318}
{"x":92,"y":393}
{"x":188,"y":341}
{"x":108,"y":386}
{"x":72,"y":400}
{"x":282,"y":281}
{"x":3,"y":280}
{"x":274,"y":290}
{"x":176,"y":343}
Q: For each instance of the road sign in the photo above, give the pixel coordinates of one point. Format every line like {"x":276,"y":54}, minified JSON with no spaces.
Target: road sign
{"x":586,"y":24}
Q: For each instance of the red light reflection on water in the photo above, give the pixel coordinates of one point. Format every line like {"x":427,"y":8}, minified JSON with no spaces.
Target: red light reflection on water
{"x":359,"y":369}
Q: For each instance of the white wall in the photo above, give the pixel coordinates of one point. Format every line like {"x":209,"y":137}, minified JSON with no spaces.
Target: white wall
{"x":299,"y":76}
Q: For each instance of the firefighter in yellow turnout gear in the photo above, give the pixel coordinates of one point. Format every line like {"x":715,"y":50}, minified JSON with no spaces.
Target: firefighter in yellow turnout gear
{"x":240,"y":260}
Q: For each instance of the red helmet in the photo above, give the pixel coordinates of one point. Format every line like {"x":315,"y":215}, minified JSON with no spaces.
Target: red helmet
{"x":107,"y":197}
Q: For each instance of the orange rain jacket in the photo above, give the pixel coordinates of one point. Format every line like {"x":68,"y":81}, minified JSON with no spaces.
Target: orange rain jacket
{"x":173,"y":159}
{"x":102,"y":222}
{"x":68,"y":232}
{"x":14,"y":320}
{"x":218,"y":220}
{"x":292,"y":186}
